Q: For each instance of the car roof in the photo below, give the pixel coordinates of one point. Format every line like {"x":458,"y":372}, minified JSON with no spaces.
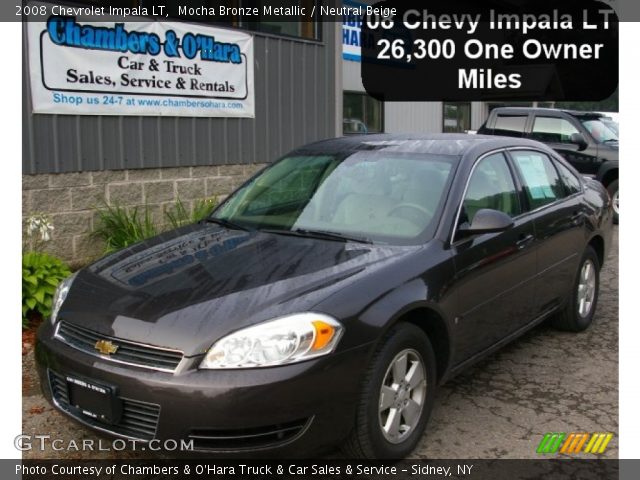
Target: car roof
{"x":574,"y":113}
{"x":454,"y":144}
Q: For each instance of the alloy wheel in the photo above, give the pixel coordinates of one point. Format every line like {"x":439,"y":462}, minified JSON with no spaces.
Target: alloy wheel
{"x":586,"y":288}
{"x":402,"y":396}
{"x":616,"y":202}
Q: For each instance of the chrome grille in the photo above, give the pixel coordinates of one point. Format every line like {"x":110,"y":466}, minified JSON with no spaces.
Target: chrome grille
{"x":128,"y":352}
{"x":139,"y":419}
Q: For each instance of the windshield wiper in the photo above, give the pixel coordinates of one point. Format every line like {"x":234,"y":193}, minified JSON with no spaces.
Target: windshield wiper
{"x":321,"y":234}
{"x":611,"y":140}
{"x":226,"y":223}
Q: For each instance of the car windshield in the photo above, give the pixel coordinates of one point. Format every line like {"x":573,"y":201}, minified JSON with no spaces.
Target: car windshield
{"x":377,"y":197}
{"x":613,"y":126}
{"x":599,"y":131}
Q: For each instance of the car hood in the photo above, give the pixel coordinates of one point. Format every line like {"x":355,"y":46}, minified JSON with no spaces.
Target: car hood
{"x":189,"y":287}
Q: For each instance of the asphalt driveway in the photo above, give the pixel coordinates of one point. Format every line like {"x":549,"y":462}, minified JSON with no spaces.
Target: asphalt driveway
{"x":547,"y":381}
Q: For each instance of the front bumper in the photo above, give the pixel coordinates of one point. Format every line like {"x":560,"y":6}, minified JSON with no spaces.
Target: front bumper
{"x":296,"y":409}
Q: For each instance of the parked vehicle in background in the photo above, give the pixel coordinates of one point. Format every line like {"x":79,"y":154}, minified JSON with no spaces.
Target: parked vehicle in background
{"x":615,"y":116}
{"x":351,"y":126}
{"x":612,"y":124}
{"x":324,"y":301}
{"x":582,"y":138}
{"x":611,"y":120}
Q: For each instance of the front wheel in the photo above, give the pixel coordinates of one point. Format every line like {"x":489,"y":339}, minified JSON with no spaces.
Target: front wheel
{"x":397,"y":396}
{"x":612,"y":188}
{"x":578,"y":314}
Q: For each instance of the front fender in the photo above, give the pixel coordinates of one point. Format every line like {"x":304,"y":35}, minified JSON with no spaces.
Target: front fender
{"x":370,"y":307}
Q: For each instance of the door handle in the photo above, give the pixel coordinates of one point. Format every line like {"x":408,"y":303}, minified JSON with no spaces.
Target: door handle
{"x":524,"y":241}
{"x":576,"y":218}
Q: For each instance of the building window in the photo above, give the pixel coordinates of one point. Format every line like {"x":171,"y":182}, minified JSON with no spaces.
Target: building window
{"x":191,"y":13}
{"x":456,"y":117}
{"x":361,"y":113}
{"x":304,"y":27}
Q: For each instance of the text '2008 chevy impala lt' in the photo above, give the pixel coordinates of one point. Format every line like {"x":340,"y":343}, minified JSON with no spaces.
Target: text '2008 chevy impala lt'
{"x":323,"y":302}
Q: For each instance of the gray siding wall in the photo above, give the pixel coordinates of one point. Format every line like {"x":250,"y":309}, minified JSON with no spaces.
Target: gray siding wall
{"x":296,"y":99}
{"x":351,"y":79}
{"x":425,"y":116}
{"x":422,"y":117}
{"x":479,"y":113}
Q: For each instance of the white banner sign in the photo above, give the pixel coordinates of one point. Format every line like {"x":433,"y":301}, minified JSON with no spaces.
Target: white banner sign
{"x":140,"y":68}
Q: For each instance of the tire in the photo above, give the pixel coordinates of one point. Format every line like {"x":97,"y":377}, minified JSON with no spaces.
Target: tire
{"x":368,"y":438}
{"x":612,"y":188}
{"x":572,"y":319}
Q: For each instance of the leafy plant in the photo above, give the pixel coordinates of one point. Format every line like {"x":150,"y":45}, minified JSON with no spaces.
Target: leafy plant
{"x":39,"y":228}
{"x":178,"y":215}
{"x":202,"y":209}
{"x":120,"y":227}
{"x":41,"y":274}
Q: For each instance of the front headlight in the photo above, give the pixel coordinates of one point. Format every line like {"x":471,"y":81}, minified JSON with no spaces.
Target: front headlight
{"x":289,"y":339}
{"x":59,"y":297}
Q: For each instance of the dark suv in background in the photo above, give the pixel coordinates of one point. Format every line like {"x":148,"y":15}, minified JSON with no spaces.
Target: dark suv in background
{"x":582,"y":138}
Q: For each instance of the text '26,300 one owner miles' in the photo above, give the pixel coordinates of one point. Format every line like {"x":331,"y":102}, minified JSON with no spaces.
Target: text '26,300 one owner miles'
{"x":400,"y":49}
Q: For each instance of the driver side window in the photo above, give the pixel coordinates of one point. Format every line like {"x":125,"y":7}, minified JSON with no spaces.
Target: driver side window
{"x":491,"y":186}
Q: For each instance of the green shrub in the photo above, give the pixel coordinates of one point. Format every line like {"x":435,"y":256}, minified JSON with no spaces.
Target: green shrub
{"x":41,"y":274}
{"x":120,"y":227}
{"x":178,"y":215}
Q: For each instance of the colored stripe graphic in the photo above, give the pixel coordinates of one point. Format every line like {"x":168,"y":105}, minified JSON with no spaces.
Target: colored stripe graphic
{"x":568,"y":443}
{"x":551,"y":443}
{"x":598,"y":443}
{"x":574,"y":442}
{"x":585,"y":437}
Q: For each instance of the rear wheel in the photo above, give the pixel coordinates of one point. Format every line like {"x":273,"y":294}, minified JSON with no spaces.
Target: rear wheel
{"x":578,"y":314}
{"x":397,"y":396}
{"x":612,"y":188}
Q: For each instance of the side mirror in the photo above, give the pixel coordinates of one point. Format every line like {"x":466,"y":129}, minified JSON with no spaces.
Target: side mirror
{"x":487,"y":221}
{"x":579,"y":140}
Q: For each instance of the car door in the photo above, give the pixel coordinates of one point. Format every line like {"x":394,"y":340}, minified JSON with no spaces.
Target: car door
{"x":556,"y":132}
{"x":558,"y":214}
{"x":494,"y":272}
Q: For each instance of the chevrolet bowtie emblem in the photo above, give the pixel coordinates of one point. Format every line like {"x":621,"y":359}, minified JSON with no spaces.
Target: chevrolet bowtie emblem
{"x":105,"y":347}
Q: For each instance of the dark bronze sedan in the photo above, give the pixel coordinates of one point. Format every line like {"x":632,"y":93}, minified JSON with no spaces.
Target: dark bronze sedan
{"x":324,"y":301}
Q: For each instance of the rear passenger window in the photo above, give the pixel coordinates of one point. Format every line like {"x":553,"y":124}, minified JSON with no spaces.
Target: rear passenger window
{"x":541,"y":181}
{"x":491,"y":186}
{"x":571,"y":182}
{"x":553,"y":130}
{"x":510,"y":125}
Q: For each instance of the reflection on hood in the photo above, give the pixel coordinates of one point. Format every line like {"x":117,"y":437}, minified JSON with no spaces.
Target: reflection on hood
{"x":171,"y":257}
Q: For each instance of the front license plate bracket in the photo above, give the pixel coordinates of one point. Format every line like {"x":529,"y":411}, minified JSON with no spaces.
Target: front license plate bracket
{"x":94,"y":400}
